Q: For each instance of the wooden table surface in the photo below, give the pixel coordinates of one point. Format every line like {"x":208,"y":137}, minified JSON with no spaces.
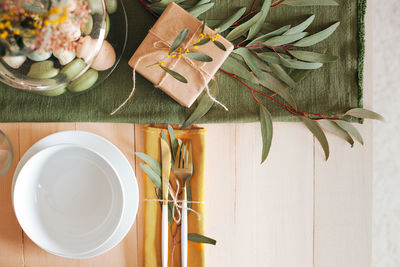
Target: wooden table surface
{"x":295,"y":210}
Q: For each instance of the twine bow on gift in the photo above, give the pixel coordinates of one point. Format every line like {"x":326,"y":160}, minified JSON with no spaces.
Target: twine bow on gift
{"x":162,"y":44}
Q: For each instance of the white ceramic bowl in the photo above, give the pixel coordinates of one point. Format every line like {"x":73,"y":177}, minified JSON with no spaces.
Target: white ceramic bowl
{"x":116,"y":158}
{"x":69,"y":200}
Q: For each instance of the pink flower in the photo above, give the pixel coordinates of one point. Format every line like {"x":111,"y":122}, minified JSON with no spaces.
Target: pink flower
{"x":70,"y":29}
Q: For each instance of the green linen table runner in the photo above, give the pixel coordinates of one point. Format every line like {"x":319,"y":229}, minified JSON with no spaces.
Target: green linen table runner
{"x":333,"y":89}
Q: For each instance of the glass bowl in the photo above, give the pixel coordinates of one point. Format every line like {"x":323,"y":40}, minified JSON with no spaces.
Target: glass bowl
{"x":6,"y":153}
{"x":101,"y":38}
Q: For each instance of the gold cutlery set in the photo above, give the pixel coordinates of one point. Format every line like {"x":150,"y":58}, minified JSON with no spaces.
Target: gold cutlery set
{"x":182,"y":169}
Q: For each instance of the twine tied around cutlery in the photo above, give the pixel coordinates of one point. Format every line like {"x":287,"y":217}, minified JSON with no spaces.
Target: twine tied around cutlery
{"x":174,"y":194}
{"x":165,"y":45}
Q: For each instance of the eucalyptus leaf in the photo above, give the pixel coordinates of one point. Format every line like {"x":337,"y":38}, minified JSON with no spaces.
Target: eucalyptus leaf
{"x":201,"y":239}
{"x":203,"y":41}
{"x":243,"y":28}
{"x":154,"y":177}
{"x":231,"y":20}
{"x":199,"y":57}
{"x":164,"y":136}
{"x":266,"y":131}
{"x":318,"y":133}
{"x":171,"y":207}
{"x":213,"y":23}
{"x":348,"y":127}
{"x":255,"y":64}
{"x":299,"y":75}
{"x":174,"y":143}
{"x":235,"y":67}
{"x":301,"y":65}
{"x":220,"y":45}
{"x":189,"y":193}
{"x":272,"y":57}
{"x":332,"y":127}
{"x":283,"y":75}
{"x":203,"y":27}
{"x":189,"y":196}
{"x":284,"y":39}
{"x":257,"y":26}
{"x":159,"y":194}
{"x":286,"y":61}
{"x":174,"y":74}
{"x":317,"y":37}
{"x":310,"y":3}
{"x":154,"y":164}
{"x":275,"y":54}
{"x":179,"y":40}
{"x":238,"y":58}
{"x":157,"y":9}
{"x":312,"y":56}
{"x":165,"y":3}
{"x":364,"y":114}
{"x":200,"y":9}
{"x":202,"y":2}
{"x":301,"y":27}
{"x":202,"y":108}
{"x":265,"y":37}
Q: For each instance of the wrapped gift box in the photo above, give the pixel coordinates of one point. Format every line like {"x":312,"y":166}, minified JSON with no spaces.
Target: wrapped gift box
{"x":156,"y":45}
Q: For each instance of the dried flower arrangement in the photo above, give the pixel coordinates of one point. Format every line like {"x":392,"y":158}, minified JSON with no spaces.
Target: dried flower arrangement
{"x":47,"y":25}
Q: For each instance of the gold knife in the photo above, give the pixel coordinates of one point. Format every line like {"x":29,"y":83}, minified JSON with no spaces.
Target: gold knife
{"x":166,"y":168}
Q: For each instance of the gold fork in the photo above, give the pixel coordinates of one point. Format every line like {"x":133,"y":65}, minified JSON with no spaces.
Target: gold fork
{"x":183,"y":169}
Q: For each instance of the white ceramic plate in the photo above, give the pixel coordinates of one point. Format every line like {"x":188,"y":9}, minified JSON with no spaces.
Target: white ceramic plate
{"x":116,"y":158}
{"x":68,"y":200}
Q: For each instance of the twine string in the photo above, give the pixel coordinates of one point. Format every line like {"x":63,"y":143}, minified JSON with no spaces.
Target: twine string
{"x":176,"y":203}
{"x":203,"y":74}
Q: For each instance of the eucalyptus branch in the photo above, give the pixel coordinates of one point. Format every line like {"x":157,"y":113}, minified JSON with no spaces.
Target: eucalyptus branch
{"x":276,"y":59}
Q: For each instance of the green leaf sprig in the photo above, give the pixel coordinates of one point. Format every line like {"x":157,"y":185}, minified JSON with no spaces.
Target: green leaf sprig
{"x":266,"y":131}
{"x":339,"y":127}
{"x":201,"y":239}
{"x":310,"y":3}
{"x":177,"y":51}
{"x":270,"y":59}
{"x":179,"y":40}
{"x":152,"y":168}
{"x":278,"y":59}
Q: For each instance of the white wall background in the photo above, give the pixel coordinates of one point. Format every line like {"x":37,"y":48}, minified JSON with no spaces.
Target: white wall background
{"x":386,"y":186}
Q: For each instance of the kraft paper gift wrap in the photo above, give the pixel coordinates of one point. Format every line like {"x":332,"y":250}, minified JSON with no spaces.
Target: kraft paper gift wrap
{"x":152,"y":209}
{"x":156,"y":45}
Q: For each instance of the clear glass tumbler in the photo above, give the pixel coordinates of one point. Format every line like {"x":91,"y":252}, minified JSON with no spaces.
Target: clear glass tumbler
{"x":6,"y":153}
